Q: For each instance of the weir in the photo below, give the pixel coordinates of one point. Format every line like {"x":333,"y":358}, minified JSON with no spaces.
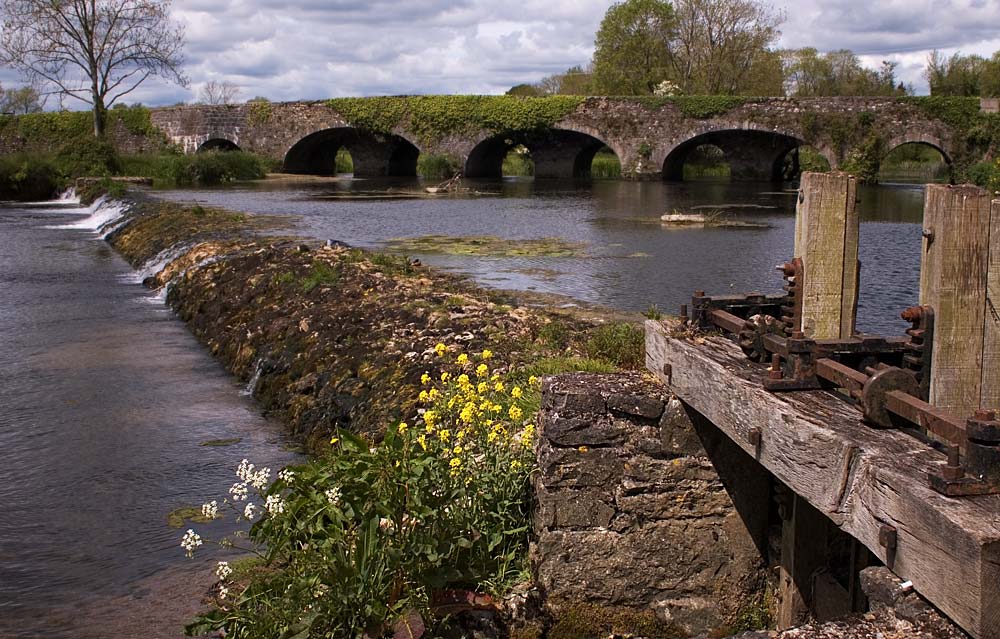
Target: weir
{"x":878,"y":449}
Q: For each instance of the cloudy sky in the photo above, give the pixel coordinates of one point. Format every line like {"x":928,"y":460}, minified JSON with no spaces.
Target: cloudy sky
{"x":325,"y":48}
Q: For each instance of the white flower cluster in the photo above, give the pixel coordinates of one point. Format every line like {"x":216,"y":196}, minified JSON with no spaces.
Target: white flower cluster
{"x":249,"y":511}
{"x":190,"y":541}
{"x":210,"y":510}
{"x":286,"y":475}
{"x":256,"y":478}
{"x":239,"y":491}
{"x":223,"y":592}
{"x":223,"y":570}
{"x":666,"y":89}
{"x":333,"y":495}
{"x":275,"y":505}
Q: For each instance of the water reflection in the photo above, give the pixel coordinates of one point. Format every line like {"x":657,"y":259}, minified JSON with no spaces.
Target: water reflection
{"x":632,"y":260}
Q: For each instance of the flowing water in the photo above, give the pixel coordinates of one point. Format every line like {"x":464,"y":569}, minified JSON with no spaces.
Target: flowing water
{"x":631,"y":261}
{"x":105,"y":400}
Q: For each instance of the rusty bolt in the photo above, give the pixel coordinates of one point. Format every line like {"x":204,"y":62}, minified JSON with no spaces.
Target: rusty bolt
{"x":912,"y":314}
{"x":753,"y":436}
{"x":776,"y":372}
{"x":787,"y":269}
{"x":953,"y":471}
{"x":798,"y":335}
{"x":887,"y":537}
{"x":983,"y":415}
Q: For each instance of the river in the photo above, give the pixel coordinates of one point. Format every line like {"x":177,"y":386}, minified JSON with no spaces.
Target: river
{"x":105,"y":400}
{"x":631,"y":261}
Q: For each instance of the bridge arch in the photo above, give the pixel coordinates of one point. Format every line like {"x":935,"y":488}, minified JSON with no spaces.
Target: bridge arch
{"x":905,"y":159}
{"x":374,"y":155}
{"x":557,"y":152}
{"x":752,"y":153}
{"x":218,"y":143}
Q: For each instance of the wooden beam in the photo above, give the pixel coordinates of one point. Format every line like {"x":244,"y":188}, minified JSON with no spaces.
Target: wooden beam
{"x":860,"y":478}
{"x":826,"y":238}
{"x":803,"y":551}
{"x":953,"y":279}
{"x":990,"y":389}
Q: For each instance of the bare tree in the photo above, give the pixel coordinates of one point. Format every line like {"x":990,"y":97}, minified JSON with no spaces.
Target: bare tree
{"x":25,"y":99}
{"x":219,"y":92}
{"x":96,"y":51}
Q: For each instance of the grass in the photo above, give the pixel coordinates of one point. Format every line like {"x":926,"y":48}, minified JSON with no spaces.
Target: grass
{"x":605,"y":165}
{"x":623,"y":345}
{"x":206,"y":168}
{"x":344,"y":163}
{"x":321,"y":274}
{"x":518,"y":164}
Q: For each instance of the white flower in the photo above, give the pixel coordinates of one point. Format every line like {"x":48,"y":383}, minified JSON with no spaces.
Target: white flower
{"x":210,"y":510}
{"x":259,"y":479}
{"x":333,"y":495}
{"x":190,"y":541}
{"x":286,"y":475}
{"x":223,"y":570}
{"x":248,"y":512}
{"x":238,"y":491}
{"x":386,"y":524}
{"x":223,"y":592}
{"x":274,"y":505}
{"x":244,"y":470}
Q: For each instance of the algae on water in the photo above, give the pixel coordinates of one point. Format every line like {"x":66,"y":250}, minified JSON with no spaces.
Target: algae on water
{"x":488,"y":246}
{"x":177,"y":517}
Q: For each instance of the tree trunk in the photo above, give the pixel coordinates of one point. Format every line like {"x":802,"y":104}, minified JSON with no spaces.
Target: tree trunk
{"x":100,"y":117}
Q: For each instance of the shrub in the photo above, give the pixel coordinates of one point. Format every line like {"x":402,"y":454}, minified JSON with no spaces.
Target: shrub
{"x":437,"y":166}
{"x":206,"y":168}
{"x":620,"y":344}
{"x":371,"y":538}
{"x":27,"y":178}
{"x":986,"y":175}
{"x":88,"y":156}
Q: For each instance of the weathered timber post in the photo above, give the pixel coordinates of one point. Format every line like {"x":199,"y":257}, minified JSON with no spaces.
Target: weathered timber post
{"x":960,"y":279}
{"x":826,"y":238}
{"x":803,"y":551}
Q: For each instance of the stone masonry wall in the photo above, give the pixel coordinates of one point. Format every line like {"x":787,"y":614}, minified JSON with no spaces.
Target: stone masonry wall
{"x":631,"y":514}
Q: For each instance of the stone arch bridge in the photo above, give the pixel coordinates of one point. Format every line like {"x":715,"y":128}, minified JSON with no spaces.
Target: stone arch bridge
{"x":652,"y":138}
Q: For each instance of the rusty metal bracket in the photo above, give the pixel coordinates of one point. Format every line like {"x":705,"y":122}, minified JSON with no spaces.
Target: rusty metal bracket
{"x":979,"y":472}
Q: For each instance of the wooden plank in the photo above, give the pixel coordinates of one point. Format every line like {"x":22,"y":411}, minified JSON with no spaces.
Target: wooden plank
{"x":803,"y":551}
{"x":953,"y":281}
{"x":826,"y":238}
{"x":859,"y":477}
{"x":990,"y":389}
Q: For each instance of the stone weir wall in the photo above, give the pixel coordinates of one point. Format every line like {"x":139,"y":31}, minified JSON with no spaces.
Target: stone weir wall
{"x":638,"y":526}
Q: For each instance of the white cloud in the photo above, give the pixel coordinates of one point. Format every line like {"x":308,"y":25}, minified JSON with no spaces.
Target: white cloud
{"x":323,"y":48}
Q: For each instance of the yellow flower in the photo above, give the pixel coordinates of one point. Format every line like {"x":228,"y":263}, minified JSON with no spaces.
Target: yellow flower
{"x":515,"y":413}
{"x":457,"y":450}
{"x":468,"y":413}
{"x":425,"y":378}
{"x":444,"y":435}
{"x":498,"y":387}
{"x":430,"y":417}
{"x":516,"y":392}
{"x":445,"y":376}
{"x":440,"y":349}
{"x":482,"y":387}
{"x":583,"y":449}
{"x":482,"y":370}
{"x":402,"y":427}
{"x":496,"y":408}
{"x":495,"y":377}
{"x":461,"y":434}
{"x":455,"y":464}
{"x":334,"y":440}
{"x":422,"y":440}
{"x":463,"y":380}
{"x":487,"y":354}
{"x":532,"y":380}
{"x":463,"y":359}
{"x":433,"y":394}
{"x":516,"y":465}
{"x":424,"y":396}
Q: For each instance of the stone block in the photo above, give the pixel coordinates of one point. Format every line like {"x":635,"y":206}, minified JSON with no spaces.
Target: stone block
{"x":574,"y":509}
{"x":582,"y":431}
{"x":644,"y":406}
{"x":677,"y":433}
{"x":575,"y":468}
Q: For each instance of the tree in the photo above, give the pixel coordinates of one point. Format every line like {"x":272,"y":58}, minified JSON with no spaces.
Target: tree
{"x":19,"y":101}
{"x":811,"y":74}
{"x":720,"y":46}
{"x":219,"y":92}
{"x":963,"y":75}
{"x":632,"y":53}
{"x":96,"y":51}
{"x":524,"y":90}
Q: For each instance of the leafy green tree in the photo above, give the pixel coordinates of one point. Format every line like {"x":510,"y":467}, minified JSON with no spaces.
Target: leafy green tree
{"x":524,"y":90}
{"x":25,"y":99}
{"x":721,"y":47}
{"x":810,"y":74}
{"x":963,"y":75}
{"x":632,"y":54}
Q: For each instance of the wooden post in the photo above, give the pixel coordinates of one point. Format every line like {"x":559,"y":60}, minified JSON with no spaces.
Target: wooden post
{"x":803,"y":551}
{"x":955,"y":277}
{"x":826,"y":238}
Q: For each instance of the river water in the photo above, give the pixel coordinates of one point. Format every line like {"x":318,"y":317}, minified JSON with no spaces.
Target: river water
{"x":631,"y":261}
{"x":105,"y":400}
